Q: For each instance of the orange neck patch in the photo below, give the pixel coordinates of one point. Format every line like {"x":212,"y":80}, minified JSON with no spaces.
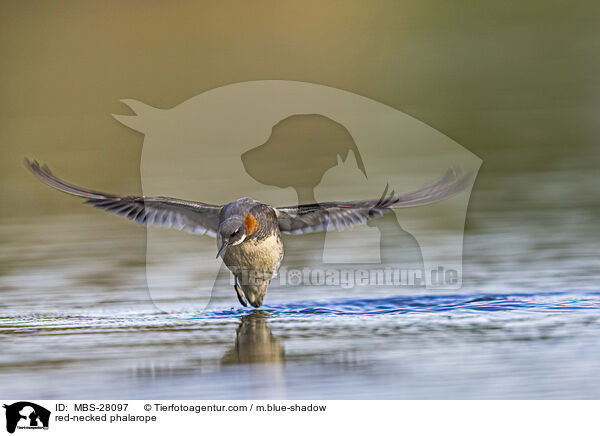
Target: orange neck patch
{"x":251,"y":224}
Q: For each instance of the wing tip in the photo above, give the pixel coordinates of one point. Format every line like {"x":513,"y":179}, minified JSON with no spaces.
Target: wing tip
{"x":34,"y":166}
{"x":31,"y":164}
{"x":38,"y":170}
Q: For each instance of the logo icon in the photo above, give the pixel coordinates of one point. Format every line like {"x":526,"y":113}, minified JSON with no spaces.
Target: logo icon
{"x":26,"y":415}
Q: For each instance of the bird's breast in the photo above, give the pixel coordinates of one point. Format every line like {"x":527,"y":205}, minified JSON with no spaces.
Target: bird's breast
{"x":262,"y":255}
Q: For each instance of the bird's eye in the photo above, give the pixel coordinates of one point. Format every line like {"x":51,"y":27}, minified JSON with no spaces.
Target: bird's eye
{"x":236,"y":232}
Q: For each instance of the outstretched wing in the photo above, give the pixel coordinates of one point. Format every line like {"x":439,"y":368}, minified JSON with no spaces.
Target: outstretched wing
{"x":308,"y":218}
{"x":192,"y":216}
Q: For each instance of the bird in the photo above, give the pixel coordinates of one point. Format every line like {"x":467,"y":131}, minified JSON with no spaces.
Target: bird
{"x":248,"y":232}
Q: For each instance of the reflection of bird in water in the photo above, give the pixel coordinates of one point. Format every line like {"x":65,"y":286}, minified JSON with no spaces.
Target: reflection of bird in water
{"x":248,"y":232}
{"x":254,"y":342}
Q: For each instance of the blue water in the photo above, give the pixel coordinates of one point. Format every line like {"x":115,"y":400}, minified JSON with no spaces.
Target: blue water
{"x":471,"y":303}
{"x":77,"y":320}
{"x":451,"y":346}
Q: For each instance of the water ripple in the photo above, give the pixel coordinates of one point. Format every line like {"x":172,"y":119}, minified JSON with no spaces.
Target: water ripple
{"x":542,"y":302}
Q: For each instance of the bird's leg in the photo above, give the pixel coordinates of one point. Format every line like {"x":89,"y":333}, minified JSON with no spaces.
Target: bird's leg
{"x":240,"y":294}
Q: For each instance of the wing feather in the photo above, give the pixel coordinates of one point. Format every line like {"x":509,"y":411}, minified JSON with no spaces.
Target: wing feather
{"x":192,"y":216}
{"x":316,"y":217}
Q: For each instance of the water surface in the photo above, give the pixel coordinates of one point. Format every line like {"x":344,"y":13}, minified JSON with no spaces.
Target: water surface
{"x":76,"y":320}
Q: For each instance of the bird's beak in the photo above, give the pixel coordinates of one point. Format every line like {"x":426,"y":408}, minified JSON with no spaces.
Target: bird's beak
{"x":222,"y":249}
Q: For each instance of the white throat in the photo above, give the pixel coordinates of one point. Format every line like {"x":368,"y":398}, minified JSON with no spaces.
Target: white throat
{"x":240,"y":241}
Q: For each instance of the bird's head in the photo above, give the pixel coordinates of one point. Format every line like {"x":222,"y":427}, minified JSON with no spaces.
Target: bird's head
{"x":232,"y":232}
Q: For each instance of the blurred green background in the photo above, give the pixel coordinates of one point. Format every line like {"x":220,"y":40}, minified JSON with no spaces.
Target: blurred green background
{"x":517,"y":83}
